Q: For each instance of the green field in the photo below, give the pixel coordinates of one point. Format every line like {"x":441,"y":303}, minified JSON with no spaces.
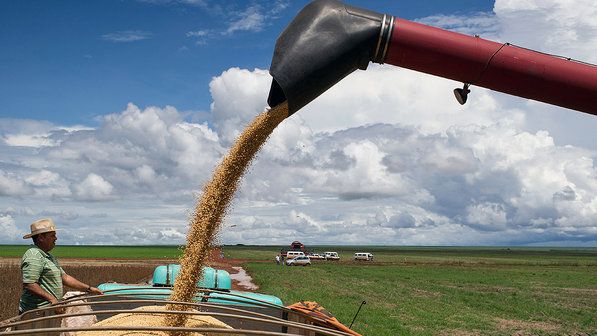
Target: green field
{"x":100,"y":252}
{"x":443,"y":290}
{"x":460,"y":255}
{"x":421,"y":290}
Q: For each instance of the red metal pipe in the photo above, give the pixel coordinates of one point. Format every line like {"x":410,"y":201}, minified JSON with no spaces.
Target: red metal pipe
{"x":500,"y":67}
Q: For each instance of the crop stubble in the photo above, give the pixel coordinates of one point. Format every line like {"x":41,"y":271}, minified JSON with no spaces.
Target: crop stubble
{"x":211,"y":207}
{"x":11,"y":285}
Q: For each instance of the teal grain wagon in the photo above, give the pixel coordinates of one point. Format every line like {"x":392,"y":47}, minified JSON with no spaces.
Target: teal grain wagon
{"x":246,"y":313}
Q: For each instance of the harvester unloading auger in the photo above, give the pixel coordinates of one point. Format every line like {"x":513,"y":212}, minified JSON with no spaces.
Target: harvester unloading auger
{"x":328,"y":40}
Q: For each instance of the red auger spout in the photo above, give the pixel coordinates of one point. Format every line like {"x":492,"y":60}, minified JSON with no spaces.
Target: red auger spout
{"x":328,"y":40}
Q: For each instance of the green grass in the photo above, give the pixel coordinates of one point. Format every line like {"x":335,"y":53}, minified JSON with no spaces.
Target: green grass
{"x":435,"y":291}
{"x":460,"y":255}
{"x":107,"y":252}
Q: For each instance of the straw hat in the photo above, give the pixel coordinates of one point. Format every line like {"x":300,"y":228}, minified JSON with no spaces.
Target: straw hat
{"x":41,"y":226}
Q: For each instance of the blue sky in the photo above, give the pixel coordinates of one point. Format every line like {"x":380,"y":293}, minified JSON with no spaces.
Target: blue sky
{"x":69,"y":61}
{"x":113,"y":114}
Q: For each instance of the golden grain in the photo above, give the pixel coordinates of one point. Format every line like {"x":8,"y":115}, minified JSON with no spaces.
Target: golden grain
{"x":150,"y":319}
{"x":211,"y":207}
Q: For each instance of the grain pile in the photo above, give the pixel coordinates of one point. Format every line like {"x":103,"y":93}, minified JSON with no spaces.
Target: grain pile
{"x":212,"y":205}
{"x":144,"y":317}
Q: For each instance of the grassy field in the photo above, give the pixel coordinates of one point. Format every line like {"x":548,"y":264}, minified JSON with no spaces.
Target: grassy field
{"x":100,"y":252}
{"x":444,"y":291}
{"x":417,"y":290}
{"x":461,"y":255}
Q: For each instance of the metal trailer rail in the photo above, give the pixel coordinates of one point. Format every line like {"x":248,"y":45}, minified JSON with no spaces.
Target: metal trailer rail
{"x":253,"y":323}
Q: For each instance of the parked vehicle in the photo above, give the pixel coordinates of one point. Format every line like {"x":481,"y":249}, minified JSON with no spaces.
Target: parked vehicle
{"x":294,"y":254}
{"x":316,"y":256}
{"x":363,"y":256}
{"x":297,"y":246}
{"x":299,"y":261}
{"x":331,"y":256}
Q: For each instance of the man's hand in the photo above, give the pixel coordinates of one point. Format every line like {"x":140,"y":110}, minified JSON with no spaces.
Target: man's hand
{"x":36,"y":290}
{"x":76,"y":284}
{"x":94,"y":290}
{"x":57,"y":310}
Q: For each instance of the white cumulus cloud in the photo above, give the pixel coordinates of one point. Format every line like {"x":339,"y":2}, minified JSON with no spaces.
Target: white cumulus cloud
{"x":10,"y":232}
{"x":93,"y":188}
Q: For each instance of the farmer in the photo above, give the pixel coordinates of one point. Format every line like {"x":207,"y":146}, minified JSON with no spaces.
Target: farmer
{"x":43,"y":277}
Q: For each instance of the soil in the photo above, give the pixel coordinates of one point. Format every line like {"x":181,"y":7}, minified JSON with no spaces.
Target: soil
{"x":523,"y":326}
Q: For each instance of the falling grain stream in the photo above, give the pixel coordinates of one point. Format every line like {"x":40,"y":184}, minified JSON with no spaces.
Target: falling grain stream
{"x":211,"y":207}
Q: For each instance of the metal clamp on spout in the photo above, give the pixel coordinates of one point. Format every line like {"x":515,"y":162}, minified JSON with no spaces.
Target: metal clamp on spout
{"x":324,"y":43}
{"x":387,"y":25}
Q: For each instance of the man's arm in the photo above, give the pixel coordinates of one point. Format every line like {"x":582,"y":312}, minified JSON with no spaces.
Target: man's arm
{"x":71,"y":282}
{"x":36,"y":289}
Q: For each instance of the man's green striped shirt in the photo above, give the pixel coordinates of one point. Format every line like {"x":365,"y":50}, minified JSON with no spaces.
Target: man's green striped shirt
{"x":41,"y":267}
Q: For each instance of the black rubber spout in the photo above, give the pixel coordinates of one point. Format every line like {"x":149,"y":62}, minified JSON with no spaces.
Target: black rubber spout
{"x":324,"y":43}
